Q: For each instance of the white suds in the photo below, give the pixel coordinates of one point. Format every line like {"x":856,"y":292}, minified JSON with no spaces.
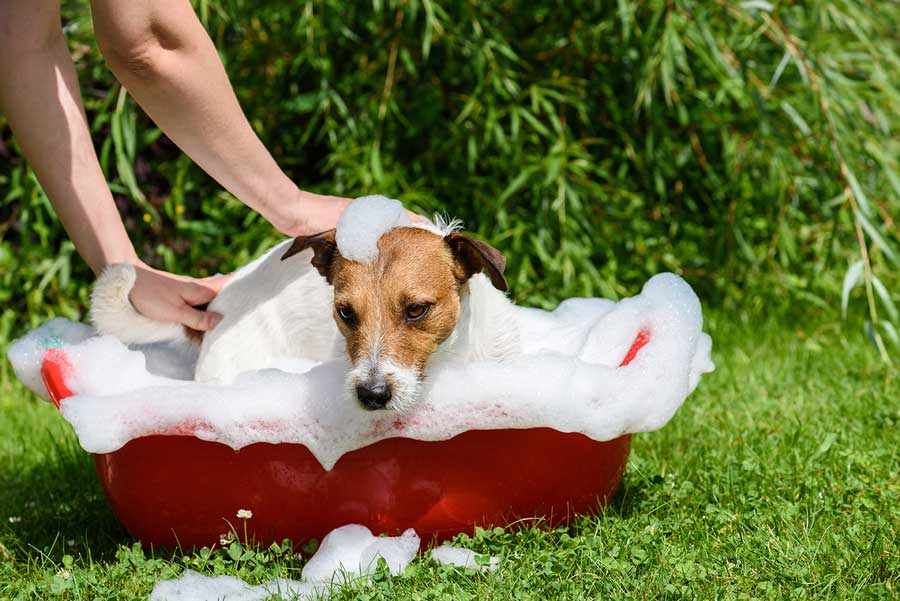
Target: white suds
{"x":367,"y":219}
{"x":363,"y":223}
{"x":191,"y":586}
{"x":346,"y":554}
{"x":464,"y":558}
{"x":567,"y":379}
{"x":27,"y":353}
{"x":353,"y":550}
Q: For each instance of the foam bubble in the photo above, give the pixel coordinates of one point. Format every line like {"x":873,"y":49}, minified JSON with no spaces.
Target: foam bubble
{"x":26,"y":353}
{"x":464,"y":558}
{"x":363,"y":223}
{"x":346,"y":554}
{"x":567,"y":379}
{"x":191,"y":586}
{"x":353,"y":551}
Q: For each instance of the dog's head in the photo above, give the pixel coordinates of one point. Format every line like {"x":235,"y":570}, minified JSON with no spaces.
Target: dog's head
{"x":395,"y":310}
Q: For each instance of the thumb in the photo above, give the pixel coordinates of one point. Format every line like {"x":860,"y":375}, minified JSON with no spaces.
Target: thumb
{"x":197,"y":294}
{"x":196,"y":319}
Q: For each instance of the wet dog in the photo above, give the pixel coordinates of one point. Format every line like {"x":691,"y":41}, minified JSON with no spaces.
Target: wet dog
{"x":429,"y":295}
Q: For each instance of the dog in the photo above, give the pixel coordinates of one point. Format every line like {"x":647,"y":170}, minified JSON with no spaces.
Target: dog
{"x":431,"y":295}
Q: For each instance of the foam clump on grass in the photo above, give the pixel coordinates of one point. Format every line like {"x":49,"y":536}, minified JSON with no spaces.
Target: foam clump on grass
{"x":347,"y":554}
{"x":567,"y":378}
{"x":464,"y":558}
{"x":353,"y":551}
{"x":192,"y":586}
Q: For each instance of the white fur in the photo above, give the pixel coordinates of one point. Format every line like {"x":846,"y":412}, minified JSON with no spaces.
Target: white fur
{"x":275,"y":310}
{"x":112,"y":312}
{"x":405,"y":383}
{"x":271,"y":310}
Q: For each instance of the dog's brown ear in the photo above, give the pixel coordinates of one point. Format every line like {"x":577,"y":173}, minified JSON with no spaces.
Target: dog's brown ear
{"x":324,"y":251}
{"x":475,"y":256}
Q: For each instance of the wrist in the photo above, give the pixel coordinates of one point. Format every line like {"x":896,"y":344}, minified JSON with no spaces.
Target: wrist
{"x":281,"y":205}
{"x":298,"y":213}
{"x":116,"y":254}
{"x":295,"y":214}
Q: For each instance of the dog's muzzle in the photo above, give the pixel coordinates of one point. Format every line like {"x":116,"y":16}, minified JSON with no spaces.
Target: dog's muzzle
{"x":374,"y":395}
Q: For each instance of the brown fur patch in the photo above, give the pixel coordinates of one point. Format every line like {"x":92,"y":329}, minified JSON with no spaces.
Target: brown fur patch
{"x":414,"y":266}
{"x":195,"y":336}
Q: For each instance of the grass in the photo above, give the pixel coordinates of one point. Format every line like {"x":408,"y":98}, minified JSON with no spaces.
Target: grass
{"x":777,"y":479}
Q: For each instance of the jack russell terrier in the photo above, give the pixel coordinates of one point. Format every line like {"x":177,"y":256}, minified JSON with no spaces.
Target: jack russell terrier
{"x":421,"y":300}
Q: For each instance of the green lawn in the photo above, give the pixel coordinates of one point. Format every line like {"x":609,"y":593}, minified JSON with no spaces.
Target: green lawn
{"x":778,"y":478}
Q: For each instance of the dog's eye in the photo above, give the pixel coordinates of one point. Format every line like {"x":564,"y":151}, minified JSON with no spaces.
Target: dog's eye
{"x":417,"y":311}
{"x":346,"y":314}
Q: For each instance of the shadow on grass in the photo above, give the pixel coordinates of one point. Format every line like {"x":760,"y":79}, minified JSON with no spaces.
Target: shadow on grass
{"x":631,"y":497}
{"x":51,"y":503}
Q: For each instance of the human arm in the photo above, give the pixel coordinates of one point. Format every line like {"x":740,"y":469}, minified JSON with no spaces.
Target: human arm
{"x":161,"y":53}
{"x":39,"y":95}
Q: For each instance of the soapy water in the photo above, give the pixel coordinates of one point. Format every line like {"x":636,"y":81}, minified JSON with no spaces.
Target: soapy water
{"x":347,"y":554}
{"x":567,"y":379}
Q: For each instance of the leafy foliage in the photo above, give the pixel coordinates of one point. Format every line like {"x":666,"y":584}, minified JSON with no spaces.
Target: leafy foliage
{"x":752,"y":148}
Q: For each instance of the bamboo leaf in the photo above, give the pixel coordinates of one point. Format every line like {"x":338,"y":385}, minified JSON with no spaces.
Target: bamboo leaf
{"x":885,"y":297}
{"x":878,"y":239}
{"x":858,"y":193}
{"x":851,"y":280}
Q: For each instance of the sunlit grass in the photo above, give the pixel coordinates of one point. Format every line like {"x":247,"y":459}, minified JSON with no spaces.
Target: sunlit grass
{"x":779,"y":478}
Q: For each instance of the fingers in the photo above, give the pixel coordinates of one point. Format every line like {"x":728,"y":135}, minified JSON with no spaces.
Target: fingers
{"x":166,"y":297}
{"x":197,"y":320}
{"x":194,"y":293}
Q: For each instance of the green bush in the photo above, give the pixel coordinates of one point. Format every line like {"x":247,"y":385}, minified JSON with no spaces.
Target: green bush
{"x":751,"y":150}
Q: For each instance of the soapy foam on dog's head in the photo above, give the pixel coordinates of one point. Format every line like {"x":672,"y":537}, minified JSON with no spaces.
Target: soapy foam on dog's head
{"x":568,"y":379}
{"x":368,"y":218}
{"x":363,"y":223}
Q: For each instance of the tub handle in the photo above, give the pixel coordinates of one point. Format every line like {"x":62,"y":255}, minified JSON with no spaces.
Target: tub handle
{"x":54,"y":369}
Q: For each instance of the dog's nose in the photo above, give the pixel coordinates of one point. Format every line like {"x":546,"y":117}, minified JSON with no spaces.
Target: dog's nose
{"x":373,"y":396}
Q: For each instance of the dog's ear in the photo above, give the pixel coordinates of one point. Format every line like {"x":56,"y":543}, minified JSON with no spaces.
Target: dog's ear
{"x":324,"y":251}
{"x":475,"y":256}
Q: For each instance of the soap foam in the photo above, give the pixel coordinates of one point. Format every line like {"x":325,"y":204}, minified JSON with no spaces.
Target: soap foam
{"x":464,"y":558}
{"x":362,"y":224}
{"x":26,"y":353}
{"x":353,"y":551}
{"x":191,"y":586}
{"x":567,"y":379}
{"x":345,"y":555}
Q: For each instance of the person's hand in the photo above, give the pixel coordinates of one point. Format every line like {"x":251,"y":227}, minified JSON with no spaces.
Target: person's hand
{"x":168,"y":297}
{"x":308,"y":214}
{"x":315,"y":213}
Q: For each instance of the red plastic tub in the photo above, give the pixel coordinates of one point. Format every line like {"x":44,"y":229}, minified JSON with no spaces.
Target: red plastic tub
{"x":180,"y":490}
